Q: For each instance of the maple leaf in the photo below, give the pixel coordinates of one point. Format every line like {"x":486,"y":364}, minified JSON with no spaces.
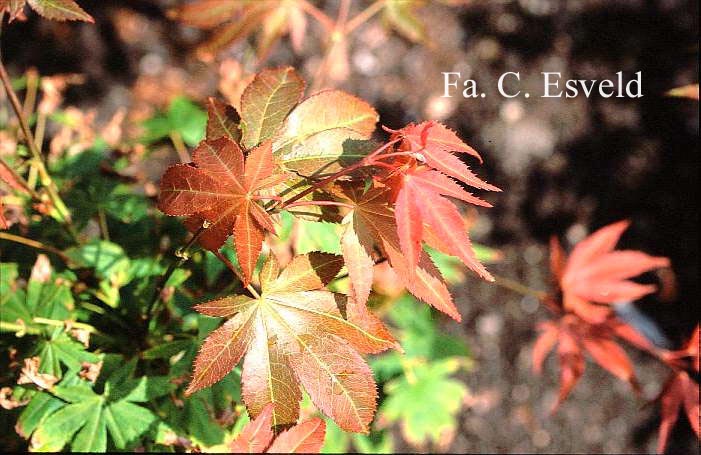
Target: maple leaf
{"x":372,"y":223}
{"x":422,"y":211}
{"x":574,"y":337}
{"x":690,"y":91}
{"x":59,"y":10}
{"x":420,"y":201}
{"x":257,"y":436}
{"x":13,"y":7}
{"x":294,"y":334}
{"x":680,"y":390}
{"x":595,"y":275}
{"x":266,"y":101}
{"x":235,"y":20}
{"x":222,"y":121}
{"x":217,"y":187}
{"x":434,"y":143}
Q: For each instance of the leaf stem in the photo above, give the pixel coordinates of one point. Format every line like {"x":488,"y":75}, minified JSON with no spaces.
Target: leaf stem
{"x":20,"y":180}
{"x":183,"y":256}
{"x":180,"y":147}
{"x":363,"y":16}
{"x":46,"y":180}
{"x":35,"y":244}
{"x":236,"y":273}
{"x":317,"y":14}
{"x":513,"y":285}
{"x":368,"y":160}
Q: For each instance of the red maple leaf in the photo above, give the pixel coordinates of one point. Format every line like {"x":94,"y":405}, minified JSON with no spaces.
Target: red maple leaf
{"x":373,"y":224}
{"x":219,"y":189}
{"x":258,"y":437}
{"x":422,"y":181}
{"x":420,"y":206}
{"x":595,"y":275}
{"x":434,"y":144}
{"x":574,"y":337}
{"x":680,"y":390}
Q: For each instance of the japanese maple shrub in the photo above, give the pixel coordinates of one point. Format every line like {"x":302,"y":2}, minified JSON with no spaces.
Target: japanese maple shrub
{"x":315,"y":158}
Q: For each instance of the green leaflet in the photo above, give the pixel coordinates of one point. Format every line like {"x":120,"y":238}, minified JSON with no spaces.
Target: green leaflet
{"x":183,"y":117}
{"x":401,"y":15}
{"x":426,"y":401}
{"x":73,"y":412}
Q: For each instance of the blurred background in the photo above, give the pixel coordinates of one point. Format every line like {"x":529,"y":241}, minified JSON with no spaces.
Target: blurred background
{"x":567,"y":167}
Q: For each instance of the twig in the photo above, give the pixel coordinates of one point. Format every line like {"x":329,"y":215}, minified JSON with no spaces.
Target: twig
{"x":102,"y":221}
{"x":183,"y":256}
{"x":367,"y":161}
{"x":513,"y":285}
{"x":35,"y":244}
{"x":180,"y":147}
{"x":362,"y":17}
{"x":317,"y":14}
{"x":36,"y":154}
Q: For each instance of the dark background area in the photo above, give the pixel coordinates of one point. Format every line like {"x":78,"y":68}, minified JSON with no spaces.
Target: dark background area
{"x":567,"y":167}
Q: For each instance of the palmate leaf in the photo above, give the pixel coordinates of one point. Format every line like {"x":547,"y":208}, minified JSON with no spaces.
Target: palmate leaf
{"x":680,"y":392}
{"x":266,"y":101}
{"x":420,"y":202}
{"x":435,"y":144}
{"x":59,"y":10}
{"x":235,"y":20}
{"x":426,"y":405}
{"x":594,"y":272}
{"x":76,"y":414}
{"x":294,"y":334}
{"x":258,"y":437}
{"x":222,"y":121}
{"x":373,"y":223}
{"x":219,"y":188}
{"x":317,"y":136}
{"x":574,"y":338}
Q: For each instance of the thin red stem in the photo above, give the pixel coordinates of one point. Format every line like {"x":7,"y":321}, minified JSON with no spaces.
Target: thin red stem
{"x":368,"y":160}
{"x":363,"y":16}
{"x":317,"y":14}
{"x":324,"y":203}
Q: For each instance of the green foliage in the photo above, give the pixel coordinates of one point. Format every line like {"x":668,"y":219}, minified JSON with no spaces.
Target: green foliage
{"x":183,"y":117}
{"x":83,"y":417}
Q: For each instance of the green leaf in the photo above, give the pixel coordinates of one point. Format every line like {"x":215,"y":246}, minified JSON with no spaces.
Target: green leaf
{"x":107,"y":258}
{"x":200,"y":425}
{"x":74,"y":393}
{"x":425,"y":402}
{"x":141,"y":390}
{"x":419,"y":334}
{"x":39,"y":408}
{"x":314,"y":136}
{"x":375,"y":442}
{"x":188,"y":119}
{"x":167,"y":350}
{"x":55,"y":431}
{"x":93,"y":436}
{"x":61,"y":349}
{"x":401,"y":15}
{"x":127,"y":422}
{"x":266,"y":101}
{"x":183,"y":117}
{"x":317,"y":236}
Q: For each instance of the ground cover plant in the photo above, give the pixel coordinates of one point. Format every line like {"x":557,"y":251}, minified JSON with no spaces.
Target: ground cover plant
{"x":283,"y":289}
